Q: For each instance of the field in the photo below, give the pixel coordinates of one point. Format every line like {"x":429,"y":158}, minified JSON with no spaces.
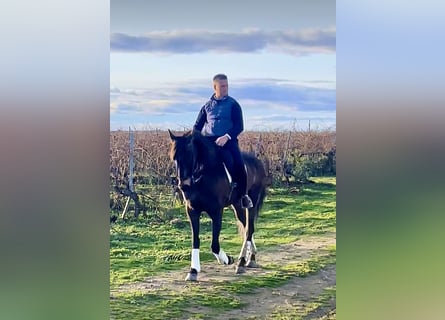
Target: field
{"x":295,"y":236}
{"x":290,"y":158}
{"x":150,"y":240}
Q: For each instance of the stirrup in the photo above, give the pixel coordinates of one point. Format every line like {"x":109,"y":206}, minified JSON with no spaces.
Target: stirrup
{"x":246,"y":202}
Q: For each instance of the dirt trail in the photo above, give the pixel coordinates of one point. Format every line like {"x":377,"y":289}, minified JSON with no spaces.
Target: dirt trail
{"x":296,"y":292}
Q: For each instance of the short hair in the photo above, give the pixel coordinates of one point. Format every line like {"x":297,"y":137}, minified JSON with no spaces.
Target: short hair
{"x":220,"y":76}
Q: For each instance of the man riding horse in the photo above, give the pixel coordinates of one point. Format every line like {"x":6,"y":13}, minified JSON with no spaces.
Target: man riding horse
{"x":221,"y":120}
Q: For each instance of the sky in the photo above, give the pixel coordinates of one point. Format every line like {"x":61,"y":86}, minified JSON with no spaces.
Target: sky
{"x":279,"y":56}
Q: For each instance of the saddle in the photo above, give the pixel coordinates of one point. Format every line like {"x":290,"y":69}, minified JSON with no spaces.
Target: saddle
{"x":227,"y":159}
{"x":228,"y":162}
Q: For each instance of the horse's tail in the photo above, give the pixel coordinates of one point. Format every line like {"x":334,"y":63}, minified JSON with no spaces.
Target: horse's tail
{"x":260,"y":201}
{"x":259,"y":185}
{"x":260,"y":188}
{"x":258,"y":204}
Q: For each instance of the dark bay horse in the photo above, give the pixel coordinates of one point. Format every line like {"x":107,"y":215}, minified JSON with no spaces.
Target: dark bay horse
{"x":204,"y":181}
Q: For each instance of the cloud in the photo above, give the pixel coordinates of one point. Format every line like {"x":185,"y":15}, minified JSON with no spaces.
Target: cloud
{"x":300,"y":97}
{"x":302,"y":42}
{"x":125,"y":108}
{"x":153,"y":101}
{"x":266,"y":103}
{"x":282,"y":96}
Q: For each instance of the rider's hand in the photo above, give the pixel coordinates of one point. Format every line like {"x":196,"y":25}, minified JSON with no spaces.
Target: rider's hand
{"x":221,"y":141}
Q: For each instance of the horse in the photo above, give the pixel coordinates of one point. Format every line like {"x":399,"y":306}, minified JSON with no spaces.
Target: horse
{"x":206,"y":186}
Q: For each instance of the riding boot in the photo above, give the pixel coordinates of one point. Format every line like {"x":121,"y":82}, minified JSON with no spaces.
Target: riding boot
{"x":246,"y":202}
{"x":239,"y":173}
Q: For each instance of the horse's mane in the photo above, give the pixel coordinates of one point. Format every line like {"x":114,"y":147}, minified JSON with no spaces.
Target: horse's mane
{"x":206,"y":151}
{"x":197,"y":146}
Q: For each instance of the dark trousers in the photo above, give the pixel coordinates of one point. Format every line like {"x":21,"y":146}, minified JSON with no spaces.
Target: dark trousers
{"x":237,"y":170}
{"x":238,"y":173}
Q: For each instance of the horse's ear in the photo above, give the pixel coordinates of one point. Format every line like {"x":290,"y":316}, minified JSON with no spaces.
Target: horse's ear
{"x":172,"y":136}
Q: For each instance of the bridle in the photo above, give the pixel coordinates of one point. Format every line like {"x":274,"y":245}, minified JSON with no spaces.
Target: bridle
{"x":196,"y":171}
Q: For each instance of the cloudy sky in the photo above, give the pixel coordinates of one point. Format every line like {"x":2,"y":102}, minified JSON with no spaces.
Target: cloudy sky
{"x":279,"y":57}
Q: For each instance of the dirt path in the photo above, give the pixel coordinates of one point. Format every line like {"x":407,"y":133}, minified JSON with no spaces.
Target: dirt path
{"x":294,"y":294}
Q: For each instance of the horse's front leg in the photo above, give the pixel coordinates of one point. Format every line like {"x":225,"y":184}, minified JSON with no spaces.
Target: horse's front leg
{"x":195,"y":267}
{"x":219,"y":253}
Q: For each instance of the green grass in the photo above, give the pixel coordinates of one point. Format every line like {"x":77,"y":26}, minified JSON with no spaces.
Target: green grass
{"x":296,"y":312}
{"x":279,"y":276}
{"x":140,"y":248}
{"x":223,"y":295}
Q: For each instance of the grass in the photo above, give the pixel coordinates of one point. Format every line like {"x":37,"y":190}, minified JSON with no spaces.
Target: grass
{"x":222,"y":296}
{"x":324,"y":303}
{"x":141,"y":248}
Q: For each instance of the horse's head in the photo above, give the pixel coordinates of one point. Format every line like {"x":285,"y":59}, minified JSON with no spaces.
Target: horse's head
{"x":190,"y":153}
{"x":182,"y":154}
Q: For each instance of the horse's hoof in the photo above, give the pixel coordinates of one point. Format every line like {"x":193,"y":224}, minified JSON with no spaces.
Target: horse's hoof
{"x":192,"y":275}
{"x":240,"y":270}
{"x":231,"y":260}
{"x":252,"y":264}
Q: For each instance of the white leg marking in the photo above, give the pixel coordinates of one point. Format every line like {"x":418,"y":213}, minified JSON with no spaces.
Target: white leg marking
{"x":248,"y":249}
{"x":195,"y":260}
{"x":254,"y":246}
{"x":222,"y":257}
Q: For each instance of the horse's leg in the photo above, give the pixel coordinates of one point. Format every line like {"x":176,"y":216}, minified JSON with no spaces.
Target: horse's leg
{"x":219,"y":253}
{"x":250,"y":244}
{"x":253,"y":252}
{"x":195,"y":267}
{"x":240,"y":214}
{"x":257,"y":195}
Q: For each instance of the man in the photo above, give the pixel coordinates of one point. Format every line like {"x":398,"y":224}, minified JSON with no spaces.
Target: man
{"x":221,"y":119}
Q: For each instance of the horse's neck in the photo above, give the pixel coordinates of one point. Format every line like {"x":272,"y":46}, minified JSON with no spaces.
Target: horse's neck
{"x":212,"y":161}
{"x":214,"y":167}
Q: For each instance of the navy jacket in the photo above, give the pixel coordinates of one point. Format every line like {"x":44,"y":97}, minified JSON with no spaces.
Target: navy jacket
{"x":218,"y":117}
